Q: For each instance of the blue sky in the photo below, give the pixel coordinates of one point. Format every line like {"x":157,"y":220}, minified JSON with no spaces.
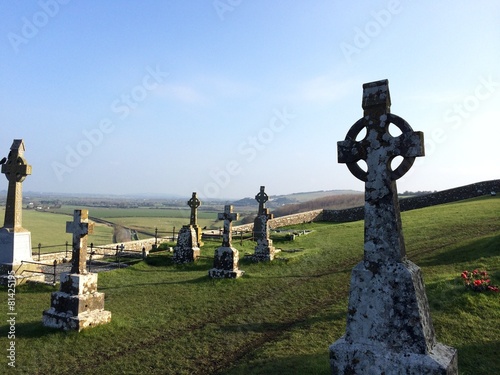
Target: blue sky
{"x":220,"y":97}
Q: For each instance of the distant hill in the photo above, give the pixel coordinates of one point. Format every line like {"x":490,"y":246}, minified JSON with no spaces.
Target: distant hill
{"x":276,"y":201}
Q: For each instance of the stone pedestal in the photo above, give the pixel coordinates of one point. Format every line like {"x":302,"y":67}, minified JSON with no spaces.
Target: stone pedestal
{"x":389,"y":329}
{"x":187,"y":249}
{"x":264,"y":250}
{"x":225,"y":264}
{"x":77,"y":305}
{"x":14,"y":246}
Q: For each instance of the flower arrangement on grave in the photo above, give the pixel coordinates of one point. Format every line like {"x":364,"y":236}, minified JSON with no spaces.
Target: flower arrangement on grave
{"x":478,"y":281}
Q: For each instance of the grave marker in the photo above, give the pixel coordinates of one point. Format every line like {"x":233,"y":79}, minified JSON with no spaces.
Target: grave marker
{"x":15,"y":241}
{"x":226,"y":257}
{"x":189,"y":237}
{"x":389,"y":328}
{"x":78,"y":304}
{"x":264,"y":250}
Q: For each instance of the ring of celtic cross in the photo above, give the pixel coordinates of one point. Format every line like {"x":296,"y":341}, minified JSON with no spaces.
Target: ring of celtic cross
{"x":353,"y":132}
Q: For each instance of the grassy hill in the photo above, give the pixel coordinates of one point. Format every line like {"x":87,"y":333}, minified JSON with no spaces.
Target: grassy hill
{"x":280,"y":317}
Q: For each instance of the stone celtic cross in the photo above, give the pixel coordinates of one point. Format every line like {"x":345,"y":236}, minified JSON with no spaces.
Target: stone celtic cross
{"x":383,"y":235}
{"x":228,"y":216}
{"x":80,"y":228}
{"x":262,"y":198}
{"x":194,"y":203}
{"x":15,"y":169}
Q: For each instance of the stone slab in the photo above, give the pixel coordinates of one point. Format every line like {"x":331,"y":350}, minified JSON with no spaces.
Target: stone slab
{"x":354,"y":358}
{"x":14,"y":246}
{"x":68,"y":322}
{"x":63,"y":302}
{"x":78,"y":284}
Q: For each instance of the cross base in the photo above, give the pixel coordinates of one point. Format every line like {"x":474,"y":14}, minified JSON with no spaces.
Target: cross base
{"x":352,"y":358}
{"x":67,"y":322}
{"x":264,"y":251}
{"x":15,"y":246}
{"x":77,"y":305}
{"x":225,"y":264}
{"x":389,"y":327}
{"x":186,"y":250}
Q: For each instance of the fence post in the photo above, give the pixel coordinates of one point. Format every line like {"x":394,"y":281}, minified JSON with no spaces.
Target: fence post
{"x":241,"y":238}
{"x":91,"y":253}
{"x":55,"y":265}
{"x":156,"y":236}
{"x":173,"y":234}
{"x":66,"y":250}
{"x":39,"y":247}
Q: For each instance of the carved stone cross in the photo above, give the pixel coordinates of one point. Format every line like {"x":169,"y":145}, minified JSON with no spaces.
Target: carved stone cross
{"x":15,"y":169}
{"x":79,"y":227}
{"x":383,"y":233}
{"x":228,"y":216}
{"x":194,"y":203}
{"x":262,"y":198}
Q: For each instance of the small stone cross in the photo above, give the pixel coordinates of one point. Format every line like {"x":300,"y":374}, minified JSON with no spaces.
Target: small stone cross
{"x":79,"y":227}
{"x":194,"y":203}
{"x":15,"y":169}
{"x":383,"y":232}
{"x":228,"y":216}
{"x":262,"y":198}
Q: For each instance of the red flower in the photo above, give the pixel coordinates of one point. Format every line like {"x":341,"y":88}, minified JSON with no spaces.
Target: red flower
{"x":478,"y":282}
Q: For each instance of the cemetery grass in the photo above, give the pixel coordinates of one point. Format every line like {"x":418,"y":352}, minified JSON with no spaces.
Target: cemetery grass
{"x":280,"y":317}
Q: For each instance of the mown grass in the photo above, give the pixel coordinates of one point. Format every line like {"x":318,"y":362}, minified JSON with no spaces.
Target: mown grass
{"x":280,"y":317}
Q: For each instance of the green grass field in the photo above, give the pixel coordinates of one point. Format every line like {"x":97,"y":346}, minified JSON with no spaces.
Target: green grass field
{"x":280,"y":317}
{"x":49,"y":228}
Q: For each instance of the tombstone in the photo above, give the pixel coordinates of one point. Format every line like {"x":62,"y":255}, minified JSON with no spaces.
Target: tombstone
{"x":194,"y":203}
{"x":189,"y":238}
{"x":389,"y":328}
{"x":264,"y":250}
{"x":187,"y":249}
{"x":15,"y":241}
{"x":226,"y":257}
{"x":78,"y":304}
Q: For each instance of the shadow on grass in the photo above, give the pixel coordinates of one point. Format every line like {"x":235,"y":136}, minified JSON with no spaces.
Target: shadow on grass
{"x":30,"y":330}
{"x":482,"y":248}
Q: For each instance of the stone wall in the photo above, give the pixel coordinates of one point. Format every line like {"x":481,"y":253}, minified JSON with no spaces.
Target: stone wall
{"x":406,"y":204}
{"x":303,"y":217}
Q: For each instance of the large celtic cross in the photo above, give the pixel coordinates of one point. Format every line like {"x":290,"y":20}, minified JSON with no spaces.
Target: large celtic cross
{"x":80,"y":228}
{"x":383,"y":233}
{"x":15,"y":169}
{"x":194,"y":203}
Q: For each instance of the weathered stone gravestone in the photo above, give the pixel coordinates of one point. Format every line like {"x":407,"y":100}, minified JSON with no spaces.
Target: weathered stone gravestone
{"x":15,"y":241}
{"x":389,"y":328}
{"x":188,"y":241}
{"x":264,"y":250}
{"x":194,"y":203}
{"x":226,"y":257}
{"x":77,"y":305}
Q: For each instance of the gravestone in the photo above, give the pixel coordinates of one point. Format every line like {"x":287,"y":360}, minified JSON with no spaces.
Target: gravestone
{"x":15,"y":241}
{"x":194,"y":203}
{"x":264,"y":250}
{"x":188,"y":240}
{"x":226,"y":257}
{"x":78,"y":304}
{"x":389,"y":328}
